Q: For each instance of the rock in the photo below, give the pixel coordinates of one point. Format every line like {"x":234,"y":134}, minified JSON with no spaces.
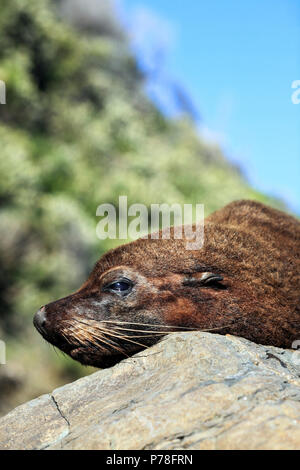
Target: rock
{"x":190,"y":391}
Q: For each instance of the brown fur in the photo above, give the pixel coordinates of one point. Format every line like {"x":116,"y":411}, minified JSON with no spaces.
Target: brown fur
{"x":256,"y":249}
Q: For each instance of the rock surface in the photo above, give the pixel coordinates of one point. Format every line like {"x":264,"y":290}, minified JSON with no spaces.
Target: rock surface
{"x":190,"y":391}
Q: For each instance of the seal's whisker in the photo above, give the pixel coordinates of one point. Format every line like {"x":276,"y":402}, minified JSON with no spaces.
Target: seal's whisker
{"x":127,"y":338}
{"x":147,"y":324}
{"x":170,"y":326}
{"x":169,"y":332}
{"x":183,"y":328}
{"x":124,"y":337}
{"x":105,"y":330}
{"x":143,"y":331}
{"x":149,"y":332}
{"x":109,"y":342}
{"x":65,"y":337}
{"x":91,"y":328}
{"x":142,"y":336}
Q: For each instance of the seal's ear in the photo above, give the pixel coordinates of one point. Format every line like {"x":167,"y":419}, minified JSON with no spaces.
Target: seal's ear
{"x":202,"y":279}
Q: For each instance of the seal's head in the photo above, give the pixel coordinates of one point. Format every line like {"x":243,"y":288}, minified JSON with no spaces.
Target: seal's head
{"x":132,"y":298}
{"x":244,"y":281}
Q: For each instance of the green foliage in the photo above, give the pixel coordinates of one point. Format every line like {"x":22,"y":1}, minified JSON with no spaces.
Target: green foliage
{"x":77,"y":131}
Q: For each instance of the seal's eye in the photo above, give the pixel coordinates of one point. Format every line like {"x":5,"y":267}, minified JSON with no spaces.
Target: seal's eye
{"x":122,"y":287}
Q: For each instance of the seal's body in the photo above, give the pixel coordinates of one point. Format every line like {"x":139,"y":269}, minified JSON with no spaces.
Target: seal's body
{"x":244,"y":281}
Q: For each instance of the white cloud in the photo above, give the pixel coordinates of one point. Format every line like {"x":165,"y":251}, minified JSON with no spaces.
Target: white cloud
{"x":213,"y":136}
{"x":152,"y":37}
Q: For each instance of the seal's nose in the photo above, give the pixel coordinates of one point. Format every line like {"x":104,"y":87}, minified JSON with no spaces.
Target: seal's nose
{"x":39,"y":319}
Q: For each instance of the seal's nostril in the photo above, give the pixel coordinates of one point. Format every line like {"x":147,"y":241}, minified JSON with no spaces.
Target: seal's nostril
{"x":40,"y":318}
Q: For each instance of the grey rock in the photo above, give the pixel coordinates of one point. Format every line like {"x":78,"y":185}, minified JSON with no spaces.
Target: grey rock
{"x":190,"y":391}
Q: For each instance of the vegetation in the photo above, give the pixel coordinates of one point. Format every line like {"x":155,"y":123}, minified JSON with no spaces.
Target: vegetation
{"x":78,"y":130}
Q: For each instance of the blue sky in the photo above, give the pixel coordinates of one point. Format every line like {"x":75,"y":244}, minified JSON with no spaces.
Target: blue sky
{"x":237,"y":60}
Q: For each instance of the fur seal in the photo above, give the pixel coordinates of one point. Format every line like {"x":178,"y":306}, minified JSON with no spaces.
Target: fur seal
{"x":245,"y":281}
